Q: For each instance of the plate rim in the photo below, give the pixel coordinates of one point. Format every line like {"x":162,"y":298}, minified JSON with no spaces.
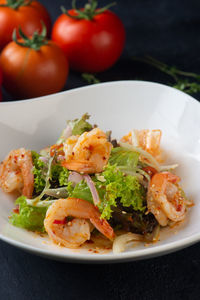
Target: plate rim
{"x":116,"y":82}
{"x":104,"y":258}
{"x":140,"y":254}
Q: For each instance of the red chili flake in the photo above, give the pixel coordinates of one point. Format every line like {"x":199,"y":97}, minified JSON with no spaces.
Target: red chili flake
{"x":179,"y":207}
{"x":56,"y":149}
{"x":60,"y":221}
{"x":22,"y":155}
{"x":95,"y":251}
{"x":16,"y":210}
{"x":101,"y":221}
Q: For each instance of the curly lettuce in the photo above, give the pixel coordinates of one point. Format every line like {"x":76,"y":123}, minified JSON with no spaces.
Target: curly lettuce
{"x":59,"y":176}
{"x":39,"y":172}
{"x":126,"y":189}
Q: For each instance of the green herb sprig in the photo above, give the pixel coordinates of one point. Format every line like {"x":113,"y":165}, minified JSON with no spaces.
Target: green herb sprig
{"x":182,"y":80}
{"x":90,"y":78}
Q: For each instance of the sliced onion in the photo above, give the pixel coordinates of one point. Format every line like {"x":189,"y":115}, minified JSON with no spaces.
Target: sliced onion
{"x":130,"y":172}
{"x":134,"y":138}
{"x":145,"y":174}
{"x":44,"y":203}
{"x":93,"y":189}
{"x":146,"y":154}
{"x":57,"y":193}
{"x":168,"y":167}
{"x":45,"y":152}
{"x":121,"y":241}
{"x":75,"y":177}
{"x":67,"y":132}
{"x":44,"y":159}
{"x":60,"y":157}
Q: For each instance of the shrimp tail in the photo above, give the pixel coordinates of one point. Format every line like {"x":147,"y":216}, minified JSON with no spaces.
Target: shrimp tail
{"x":79,"y":166}
{"x":79,"y":230}
{"x":171,"y":177}
{"x":103,"y":226}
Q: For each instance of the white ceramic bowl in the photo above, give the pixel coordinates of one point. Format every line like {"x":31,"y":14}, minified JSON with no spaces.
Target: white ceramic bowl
{"x":119,"y":106}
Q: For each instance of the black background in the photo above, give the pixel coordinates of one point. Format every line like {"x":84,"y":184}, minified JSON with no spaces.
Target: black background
{"x":168,"y":30}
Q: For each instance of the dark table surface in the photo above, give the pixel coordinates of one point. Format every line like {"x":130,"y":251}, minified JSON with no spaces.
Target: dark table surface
{"x":168,"y":30}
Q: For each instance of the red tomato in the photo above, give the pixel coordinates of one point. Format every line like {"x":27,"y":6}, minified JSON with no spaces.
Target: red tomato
{"x":29,"y":73}
{"x":90,"y":45}
{"x":0,"y":85}
{"x":28,"y":17}
{"x":1,"y":78}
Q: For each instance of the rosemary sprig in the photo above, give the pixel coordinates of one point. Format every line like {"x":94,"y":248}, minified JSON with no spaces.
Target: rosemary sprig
{"x":183,"y":80}
{"x":90,"y":78}
{"x":188,"y":87}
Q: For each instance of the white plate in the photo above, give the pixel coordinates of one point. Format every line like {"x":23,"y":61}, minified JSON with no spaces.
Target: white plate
{"x":119,"y":106}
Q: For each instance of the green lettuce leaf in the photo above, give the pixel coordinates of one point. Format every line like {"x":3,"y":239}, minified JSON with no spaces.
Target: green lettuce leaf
{"x":123,"y":157}
{"x":80,"y":125}
{"x":82,"y":191}
{"x":59,"y":176}
{"x":126,"y":189}
{"x":115,"y":187}
{"x":29,"y":217}
{"x":39,"y":172}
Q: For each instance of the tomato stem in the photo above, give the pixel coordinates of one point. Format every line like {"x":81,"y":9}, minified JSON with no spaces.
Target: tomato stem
{"x":15,"y":4}
{"x":35,"y":42}
{"x":89,"y":11}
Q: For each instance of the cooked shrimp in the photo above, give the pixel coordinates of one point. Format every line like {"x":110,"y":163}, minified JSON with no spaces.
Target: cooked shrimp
{"x":16,"y":172}
{"x":164,"y":198}
{"x":88,"y":153}
{"x":148,"y":140}
{"x":74,"y":233}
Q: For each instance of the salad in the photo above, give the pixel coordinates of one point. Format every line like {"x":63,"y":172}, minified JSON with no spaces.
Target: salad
{"x":89,"y":184}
